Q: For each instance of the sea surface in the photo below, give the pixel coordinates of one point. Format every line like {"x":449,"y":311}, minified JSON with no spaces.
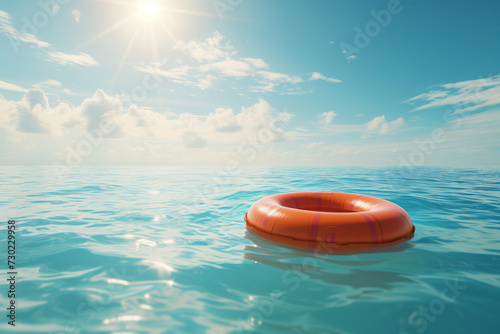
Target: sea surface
{"x":165,"y":250}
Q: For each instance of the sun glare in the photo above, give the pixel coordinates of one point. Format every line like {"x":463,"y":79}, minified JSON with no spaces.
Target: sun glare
{"x":148,"y":9}
{"x":152,"y":18}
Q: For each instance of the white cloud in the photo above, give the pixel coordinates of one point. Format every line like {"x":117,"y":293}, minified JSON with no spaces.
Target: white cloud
{"x":326,"y":118}
{"x":53,"y":85}
{"x":319,"y":76}
{"x":205,"y":62}
{"x":178,"y":73}
{"x":279,"y":77}
{"x":207,"y":82}
{"x":146,"y":136}
{"x":30,"y":112}
{"x":76,"y":14}
{"x":296,"y":92}
{"x":224,"y":120}
{"x":16,"y":36}
{"x":256,"y":62}
{"x":33,"y":114}
{"x":33,"y":118}
{"x":11,"y":87}
{"x":210,"y":49}
{"x":264,"y":88}
{"x":81,"y":59}
{"x":432,"y":95}
{"x":191,"y":139}
{"x":380,"y":125}
{"x":102,"y":107}
{"x":463,"y":96}
{"x":34,"y":97}
{"x":50,"y":83}
{"x":248,"y":121}
{"x":229,"y":67}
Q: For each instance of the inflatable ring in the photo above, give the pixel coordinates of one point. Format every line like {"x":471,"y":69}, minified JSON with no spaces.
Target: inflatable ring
{"x":333,"y":221}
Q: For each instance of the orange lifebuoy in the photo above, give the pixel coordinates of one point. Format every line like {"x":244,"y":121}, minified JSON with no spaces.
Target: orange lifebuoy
{"x":327,"y":220}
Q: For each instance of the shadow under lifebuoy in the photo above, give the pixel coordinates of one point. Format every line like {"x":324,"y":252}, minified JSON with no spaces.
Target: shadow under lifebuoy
{"x":357,"y":272}
{"x":260,"y":241}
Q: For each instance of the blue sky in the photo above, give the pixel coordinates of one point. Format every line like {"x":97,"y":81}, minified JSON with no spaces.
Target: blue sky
{"x":371,"y":83}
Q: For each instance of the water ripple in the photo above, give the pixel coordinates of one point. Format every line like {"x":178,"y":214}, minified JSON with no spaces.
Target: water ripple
{"x":154,"y":250}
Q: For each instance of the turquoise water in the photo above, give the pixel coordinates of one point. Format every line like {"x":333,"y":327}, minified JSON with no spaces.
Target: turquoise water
{"x":165,"y":250}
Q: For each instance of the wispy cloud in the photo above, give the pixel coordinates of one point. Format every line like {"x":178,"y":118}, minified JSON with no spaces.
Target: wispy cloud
{"x":256,"y":62}
{"x":81,"y":59}
{"x":319,"y":76}
{"x":378,"y":126}
{"x":268,"y":87}
{"x":53,"y":85}
{"x":228,"y":67}
{"x":463,"y":96}
{"x":11,"y":87}
{"x":50,"y":83}
{"x":213,"y":59}
{"x":15,"y":36}
{"x":279,"y":77}
{"x":326,"y":118}
{"x":62,"y":58}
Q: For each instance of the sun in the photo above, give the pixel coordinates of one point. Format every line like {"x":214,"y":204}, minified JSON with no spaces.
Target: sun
{"x":152,"y":17}
{"x":148,"y":9}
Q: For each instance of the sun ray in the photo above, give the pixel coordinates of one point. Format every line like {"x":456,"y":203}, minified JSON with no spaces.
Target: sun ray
{"x":125,"y":54}
{"x":155,"y":20}
{"x":119,"y":2}
{"x":105,"y":32}
{"x":169,"y":33}
{"x":190,"y":12}
{"x":154,"y":46}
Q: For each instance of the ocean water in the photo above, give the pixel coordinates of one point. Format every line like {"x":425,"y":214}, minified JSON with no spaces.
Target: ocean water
{"x":165,"y":250}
